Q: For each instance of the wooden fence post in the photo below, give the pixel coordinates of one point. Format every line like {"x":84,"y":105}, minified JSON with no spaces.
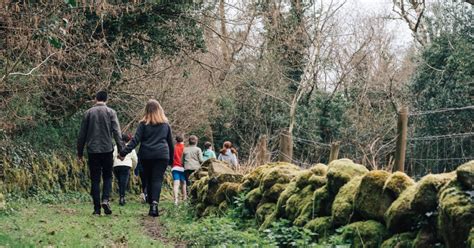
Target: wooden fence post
{"x":334,"y":151}
{"x":286,"y":147}
{"x":262,"y":156}
{"x":402,"y":129}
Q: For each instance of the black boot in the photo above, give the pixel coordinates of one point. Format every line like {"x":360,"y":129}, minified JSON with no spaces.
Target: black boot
{"x":106,"y":207}
{"x":122,"y":201}
{"x":153,"y":209}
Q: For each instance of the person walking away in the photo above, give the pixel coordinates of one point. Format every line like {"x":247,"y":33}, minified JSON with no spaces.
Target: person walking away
{"x":192,"y":158}
{"x":156,"y":150}
{"x":228,"y":154}
{"x":99,"y":125}
{"x":178,"y":170}
{"x":122,"y":168}
{"x":208,"y":152}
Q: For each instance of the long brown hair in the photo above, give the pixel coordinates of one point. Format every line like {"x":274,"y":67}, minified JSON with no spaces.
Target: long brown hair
{"x":228,"y":145}
{"x":154,"y":113}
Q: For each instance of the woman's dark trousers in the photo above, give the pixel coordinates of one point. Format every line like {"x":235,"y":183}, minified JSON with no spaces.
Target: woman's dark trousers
{"x":100,"y":165}
{"x":154,"y":171}
{"x":122,"y":173}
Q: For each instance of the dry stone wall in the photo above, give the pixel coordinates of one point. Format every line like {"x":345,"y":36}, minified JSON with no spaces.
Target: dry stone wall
{"x":368,"y":208}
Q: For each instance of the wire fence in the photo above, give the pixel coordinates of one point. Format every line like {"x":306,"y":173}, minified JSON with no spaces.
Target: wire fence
{"x":430,"y":148}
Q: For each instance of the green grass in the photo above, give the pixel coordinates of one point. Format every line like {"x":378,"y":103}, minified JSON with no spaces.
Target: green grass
{"x":66,"y":220}
{"x":33,"y":224}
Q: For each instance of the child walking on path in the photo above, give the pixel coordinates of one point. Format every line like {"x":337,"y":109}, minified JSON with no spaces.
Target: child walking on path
{"x":208,"y":152}
{"x":122,"y":168}
{"x":229,"y":154}
{"x":178,"y":170}
{"x":192,"y":157}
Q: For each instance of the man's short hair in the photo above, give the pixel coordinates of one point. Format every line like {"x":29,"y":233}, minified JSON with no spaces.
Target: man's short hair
{"x":207,"y":145}
{"x":179,"y":138}
{"x":101,"y":96}
{"x":193,"y":140}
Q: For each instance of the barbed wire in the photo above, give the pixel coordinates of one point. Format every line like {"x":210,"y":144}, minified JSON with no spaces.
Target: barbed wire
{"x":437,"y":137}
{"x":440,"y":110}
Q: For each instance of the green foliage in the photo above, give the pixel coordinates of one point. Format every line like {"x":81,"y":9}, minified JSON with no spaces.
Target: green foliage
{"x":283,"y":234}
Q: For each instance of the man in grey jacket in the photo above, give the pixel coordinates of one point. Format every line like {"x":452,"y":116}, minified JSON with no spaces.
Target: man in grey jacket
{"x":99,"y":125}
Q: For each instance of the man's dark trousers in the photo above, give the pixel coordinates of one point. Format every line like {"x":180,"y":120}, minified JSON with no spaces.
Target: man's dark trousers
{"x":100,"y":164}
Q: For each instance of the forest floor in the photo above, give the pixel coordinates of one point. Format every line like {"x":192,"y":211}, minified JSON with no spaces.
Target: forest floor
{"x":49,"y":222}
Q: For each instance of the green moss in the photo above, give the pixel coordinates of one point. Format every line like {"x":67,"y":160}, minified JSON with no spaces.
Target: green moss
{"x":397,"y":183}
{"x":365,"y":234}
{"x":223,"y":206}
{"x":279,"y":173}
{"x":456,"y":215}
{"x":302,"y":178}
{"x":297,"y":202}
{"x":2,"y":202}
{"x":319,"y":205}
{"x":272,"y":194}
{"x":196,"y":191}
{"x":252,"y":179}
{"x":470,"y":240}
{"x":342,"y":171}
{"x":342,"y":211}
{"x":283,"y":199}
{"x":263,"y":211}
{"x":211,"y":211}
{"x":319,"y":169}
{"x":371,"y":201}
{"x":252,"y":199}
{"x":400,"y":216}
{"x":227,"y":191}
{"x":426,"y":196}
{"x":402,"y":240}
{"x":426,"y":237}
{"x":465,"y":175}
{"x":321,"y":226}
{"x":416,"y":203}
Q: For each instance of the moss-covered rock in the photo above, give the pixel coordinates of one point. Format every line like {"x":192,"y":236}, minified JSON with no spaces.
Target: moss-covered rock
{"x":196,"y":191}
{"x":252,"y":179}
{"x":252,"y":199}
{"x":342,"y":171}
{"x":200,"y":207}
{"x":279,"y":173}
{"x":272,"y":194}
{"x":216,"y":167}
{"x":401,"y":217}
{"x":416,"y":203}
{"x":402,"y":240}
{"x":465,"y":175}
{"x":342,"y":211}
{"x":426,"y":237}
{"x":289,"y":191}
{"x":371,"y":201}
{"x":320,"y":205}
{"x":365,"y":234}
{"x":223,"y":206}
{"x":456,"y":215}
{"x":319,"y":169}
{"x":297,"y":202}
{"x":227,"y":192}
{"x":321,"y":226}
{"x":426,"y":196}
{"x":317,"y":181}
{"x":470,"y":240}
{"x":302,"y":178}
{"x":263,"y":211}
{"x":2,"y":202}
{"x":397,"y":183}
{"x":211,"y":211}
